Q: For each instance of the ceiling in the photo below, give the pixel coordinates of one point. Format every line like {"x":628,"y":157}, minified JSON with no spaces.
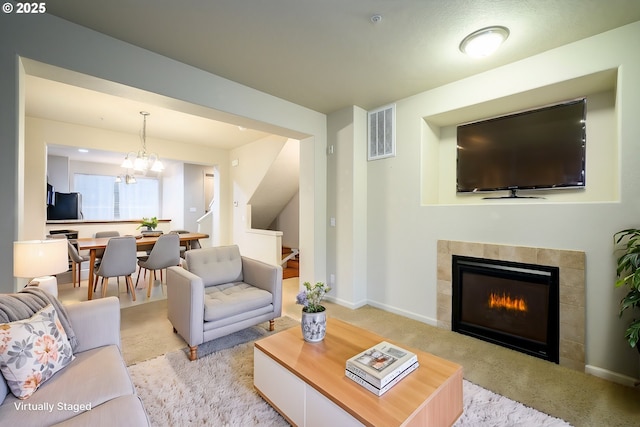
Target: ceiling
{"x":71,"y":104}
{"x":328,"y":54}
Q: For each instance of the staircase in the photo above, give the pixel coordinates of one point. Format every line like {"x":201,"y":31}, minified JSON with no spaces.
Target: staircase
{"x":291,"y":267}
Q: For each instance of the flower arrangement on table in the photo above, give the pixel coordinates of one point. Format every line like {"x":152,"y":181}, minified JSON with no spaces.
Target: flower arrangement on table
{"x":312,"y":297}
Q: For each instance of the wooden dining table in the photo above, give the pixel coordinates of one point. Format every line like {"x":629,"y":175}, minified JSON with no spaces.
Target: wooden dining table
{"x":92,"y":244}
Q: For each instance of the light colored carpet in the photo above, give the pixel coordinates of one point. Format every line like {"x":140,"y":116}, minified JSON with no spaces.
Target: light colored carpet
{"x":217,"y":390}
{"x":580,"y":399}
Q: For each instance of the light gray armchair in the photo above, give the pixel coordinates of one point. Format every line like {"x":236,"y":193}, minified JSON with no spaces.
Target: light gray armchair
{"x":219,"y":292}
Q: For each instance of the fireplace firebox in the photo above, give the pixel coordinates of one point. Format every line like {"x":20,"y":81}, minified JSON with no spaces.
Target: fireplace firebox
{"x":511,"y":304}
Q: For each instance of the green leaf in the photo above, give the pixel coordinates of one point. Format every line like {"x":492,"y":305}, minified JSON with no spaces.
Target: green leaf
{"x":633,"y":333}
{"x":627,"y":245}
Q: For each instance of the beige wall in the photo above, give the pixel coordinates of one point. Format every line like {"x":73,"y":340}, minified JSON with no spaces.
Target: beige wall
{"x":403,"y":229}
{"x":347,"y":207}
{"x":289,"y":223}
{"x":249,"y":164}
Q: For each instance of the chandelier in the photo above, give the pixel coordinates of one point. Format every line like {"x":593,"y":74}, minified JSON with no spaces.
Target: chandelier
{"x":128,"y":179}
{"x":143,"y":161}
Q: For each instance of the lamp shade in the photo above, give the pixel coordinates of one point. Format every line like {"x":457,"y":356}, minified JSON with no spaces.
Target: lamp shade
{"x":36,"y":258}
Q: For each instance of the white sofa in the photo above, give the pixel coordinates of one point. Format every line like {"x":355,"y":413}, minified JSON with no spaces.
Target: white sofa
{"x":94,"y":389}
{"x":218,"y":292}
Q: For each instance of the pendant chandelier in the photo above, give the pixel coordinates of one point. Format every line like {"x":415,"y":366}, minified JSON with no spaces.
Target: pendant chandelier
{"x":143,"y":161}
{"x":128,"y":179}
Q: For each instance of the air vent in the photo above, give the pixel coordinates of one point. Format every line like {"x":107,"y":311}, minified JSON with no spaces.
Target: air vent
{"x":382,"y":132}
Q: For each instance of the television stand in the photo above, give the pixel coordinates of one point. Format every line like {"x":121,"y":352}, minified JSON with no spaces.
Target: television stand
{"x":513,"y":195}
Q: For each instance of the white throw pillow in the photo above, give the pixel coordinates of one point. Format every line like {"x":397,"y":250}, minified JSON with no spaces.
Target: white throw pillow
{"x":32,"y":350}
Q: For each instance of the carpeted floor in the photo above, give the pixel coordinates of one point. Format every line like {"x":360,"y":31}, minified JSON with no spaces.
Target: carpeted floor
{"x":217,"y":390}
{"x":580,"y":399}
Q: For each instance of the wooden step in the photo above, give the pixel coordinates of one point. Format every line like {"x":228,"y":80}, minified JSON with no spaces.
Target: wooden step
{"x":288,"y":273}
{"x":292,"y":267}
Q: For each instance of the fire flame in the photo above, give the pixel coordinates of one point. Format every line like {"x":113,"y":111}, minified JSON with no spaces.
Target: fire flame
{"x":505,"y":301}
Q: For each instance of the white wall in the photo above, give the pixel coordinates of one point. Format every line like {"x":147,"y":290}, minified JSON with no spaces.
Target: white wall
{"x":249,"y":164}
{"x":289,"y":222}
{"x":193,"y":194}
{"x":347,"y":240}
{"x":172,"y":187}
{"x":53,"y":48}
{"x":403,"y":230}
{"x":58,"y":173}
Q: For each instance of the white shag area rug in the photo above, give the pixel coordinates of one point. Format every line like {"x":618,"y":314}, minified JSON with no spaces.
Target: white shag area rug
{"x":217,"y":390}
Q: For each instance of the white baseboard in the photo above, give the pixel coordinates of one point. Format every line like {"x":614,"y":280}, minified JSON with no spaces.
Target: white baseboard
{"x":343,"y":303}
{"x":390,"y":309}
{"x":610,"y":376}
{"x":410,"y":315}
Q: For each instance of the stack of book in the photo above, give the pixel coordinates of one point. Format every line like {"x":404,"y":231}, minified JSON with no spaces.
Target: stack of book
{"x":381,"y":367}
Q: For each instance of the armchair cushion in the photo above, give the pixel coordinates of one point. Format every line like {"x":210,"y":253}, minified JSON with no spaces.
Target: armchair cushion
{"x":215,"y":266}
{"x":230,"y":299}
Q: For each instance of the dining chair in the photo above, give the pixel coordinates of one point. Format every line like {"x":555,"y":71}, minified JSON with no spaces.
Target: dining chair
{"x":76,"y":263}
{"x":119,"y":259}
{"x":193,"y":244}
{"x":100,"y":252}
{"x":107,"y":233}
{"x":165,"y":253}
{"x":183,"y":248}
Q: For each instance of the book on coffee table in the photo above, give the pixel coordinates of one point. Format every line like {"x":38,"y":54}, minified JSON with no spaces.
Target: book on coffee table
{"x":379,"y":391}
{"x":381,"y":364}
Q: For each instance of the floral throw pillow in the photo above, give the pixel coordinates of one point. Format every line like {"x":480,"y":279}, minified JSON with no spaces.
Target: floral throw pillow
{"x":32,"y":350}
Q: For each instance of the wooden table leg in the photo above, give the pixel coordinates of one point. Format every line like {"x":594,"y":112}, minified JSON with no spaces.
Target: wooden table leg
{"x":92,"y":263}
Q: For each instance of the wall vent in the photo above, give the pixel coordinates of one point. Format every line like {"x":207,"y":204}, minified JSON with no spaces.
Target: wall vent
{"x":382,"y":132}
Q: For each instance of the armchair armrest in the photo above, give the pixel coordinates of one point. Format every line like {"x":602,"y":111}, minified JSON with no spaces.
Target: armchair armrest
{"x":185,"y":304}
{"x":264,"y":276}
{"x":96,"y":323}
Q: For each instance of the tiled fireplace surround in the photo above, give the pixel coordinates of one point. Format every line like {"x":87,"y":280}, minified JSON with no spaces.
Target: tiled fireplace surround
{"x":572,"y":288}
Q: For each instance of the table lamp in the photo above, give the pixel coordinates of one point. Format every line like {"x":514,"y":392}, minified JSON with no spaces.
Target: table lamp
{"x":38,"y":260}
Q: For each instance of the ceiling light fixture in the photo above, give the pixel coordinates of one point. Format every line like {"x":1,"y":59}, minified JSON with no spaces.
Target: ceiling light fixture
{"x":484,"y":42}
{"x":143,"y":161}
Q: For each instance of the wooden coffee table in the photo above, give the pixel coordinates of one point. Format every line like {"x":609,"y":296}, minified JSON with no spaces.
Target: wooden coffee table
{"x":306,"y":383}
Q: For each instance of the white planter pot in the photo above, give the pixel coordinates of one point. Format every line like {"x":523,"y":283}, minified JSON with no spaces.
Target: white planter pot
{"x":314,"y":326}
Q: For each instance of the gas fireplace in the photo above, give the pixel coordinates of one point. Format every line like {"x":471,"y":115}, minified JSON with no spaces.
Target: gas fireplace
{"x":512,"y":304}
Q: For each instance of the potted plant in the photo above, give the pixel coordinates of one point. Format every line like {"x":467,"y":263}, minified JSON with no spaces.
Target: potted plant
{"x":314,"y":317}
{"x":149,"y":223}
{"x":627,"y":244}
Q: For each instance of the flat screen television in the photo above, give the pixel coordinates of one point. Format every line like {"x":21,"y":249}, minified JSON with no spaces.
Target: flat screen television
{"x":542,"y":148}
{"x":67,"y":206}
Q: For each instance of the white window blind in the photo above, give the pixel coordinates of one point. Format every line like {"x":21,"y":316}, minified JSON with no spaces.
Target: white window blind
{"x":105,"y":199}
